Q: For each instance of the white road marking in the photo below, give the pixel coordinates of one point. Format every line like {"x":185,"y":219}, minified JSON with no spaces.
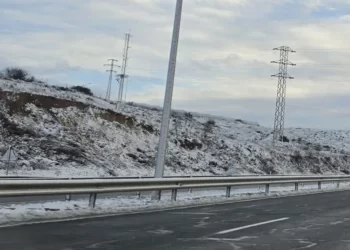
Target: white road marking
{"x":194,"y":213}
{"x":161,"y":231}
{"x":252,"y":225}
{"x":234,"y":239}
{"x":99,"y":244}
{"x":311,"y":244}
{"x":203,"y":222}
{"x":337,"y":222}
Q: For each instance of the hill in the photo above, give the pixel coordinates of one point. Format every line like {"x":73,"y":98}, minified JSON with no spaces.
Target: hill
{"x":61,"y":132}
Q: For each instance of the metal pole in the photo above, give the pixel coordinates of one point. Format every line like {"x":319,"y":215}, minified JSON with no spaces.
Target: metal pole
{"x":123,"y":71}
{"x":173,"y":194}
{"x":68,"y":197}
{"x":228,"y":192}
{"x":168,"y":93}
{"x":190,"y":190}
{"x":92,"y":200}
{"x":108,"y":94}
{"x":120,"y":92}
{"x":267,"y":188}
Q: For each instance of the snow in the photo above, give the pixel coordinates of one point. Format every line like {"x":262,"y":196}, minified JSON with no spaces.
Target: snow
{"x":84,"y":136}
{"x":61,"y":210}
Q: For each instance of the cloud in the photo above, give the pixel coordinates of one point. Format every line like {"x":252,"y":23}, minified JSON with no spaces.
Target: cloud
{"x":224,"y":52}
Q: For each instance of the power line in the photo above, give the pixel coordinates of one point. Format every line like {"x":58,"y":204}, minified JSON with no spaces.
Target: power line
{"x":245,"y":67}
{"x":324,"y":49}
{"x":281,"y":91}
{"x":328,"y":66}
{"x":258,"y":77}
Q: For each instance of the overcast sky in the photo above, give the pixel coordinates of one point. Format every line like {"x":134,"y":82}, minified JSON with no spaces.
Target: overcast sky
{"x":223,"y":60}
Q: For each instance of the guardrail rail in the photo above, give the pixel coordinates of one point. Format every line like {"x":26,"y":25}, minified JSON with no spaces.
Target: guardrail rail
{"x":29,"y":187}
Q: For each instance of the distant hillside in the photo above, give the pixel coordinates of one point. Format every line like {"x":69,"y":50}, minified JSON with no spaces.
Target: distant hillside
{"x":59,"y":132}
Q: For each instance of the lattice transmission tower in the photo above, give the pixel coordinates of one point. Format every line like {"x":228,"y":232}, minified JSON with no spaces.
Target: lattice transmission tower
{"x":111,"y":71}
{"x":122,"y":76}
{"x":281,"y":91}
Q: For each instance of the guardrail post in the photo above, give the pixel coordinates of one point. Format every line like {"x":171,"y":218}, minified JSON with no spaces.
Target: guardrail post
{"x":190,"y":190}
{"x":338,"y":184}
{"x":138,"y":192}
{"x":68,"y":197}
{"x":319,"y":185}
{"x":228,"y":192}
{"x":92,"y":200}
{"x":296,"y":186}
{"x":267,"y":188}
{"x":158,"y":195}
{"x":173,"y":194}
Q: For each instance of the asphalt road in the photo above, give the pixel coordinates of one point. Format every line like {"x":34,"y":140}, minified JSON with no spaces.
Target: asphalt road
{"x":319,"y":221}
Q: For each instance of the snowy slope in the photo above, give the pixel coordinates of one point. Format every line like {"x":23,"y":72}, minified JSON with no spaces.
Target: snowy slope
{"x":63,"y":133}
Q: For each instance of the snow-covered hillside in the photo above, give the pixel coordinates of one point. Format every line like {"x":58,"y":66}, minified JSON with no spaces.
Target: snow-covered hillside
{"x":62,"y":133}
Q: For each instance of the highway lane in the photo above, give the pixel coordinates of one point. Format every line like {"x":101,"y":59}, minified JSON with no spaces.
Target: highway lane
{"x":320,"y":221}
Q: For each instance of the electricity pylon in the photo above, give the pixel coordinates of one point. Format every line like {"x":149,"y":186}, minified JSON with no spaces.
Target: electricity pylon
{"x":122,"y":75}
{"x":281,"y":91}
{"x":109,"y":86}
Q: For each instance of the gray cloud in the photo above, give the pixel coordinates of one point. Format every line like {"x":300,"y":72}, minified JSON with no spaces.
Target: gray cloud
{"x":224,"y":53}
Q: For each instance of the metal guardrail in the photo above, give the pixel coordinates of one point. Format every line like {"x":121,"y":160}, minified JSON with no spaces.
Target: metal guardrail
{"x":134,"y":177}
{"x":117,"y":177}
{"x":25,"y":187}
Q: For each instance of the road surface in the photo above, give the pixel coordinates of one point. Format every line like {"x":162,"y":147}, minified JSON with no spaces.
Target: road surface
{"x":320,"y":221}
